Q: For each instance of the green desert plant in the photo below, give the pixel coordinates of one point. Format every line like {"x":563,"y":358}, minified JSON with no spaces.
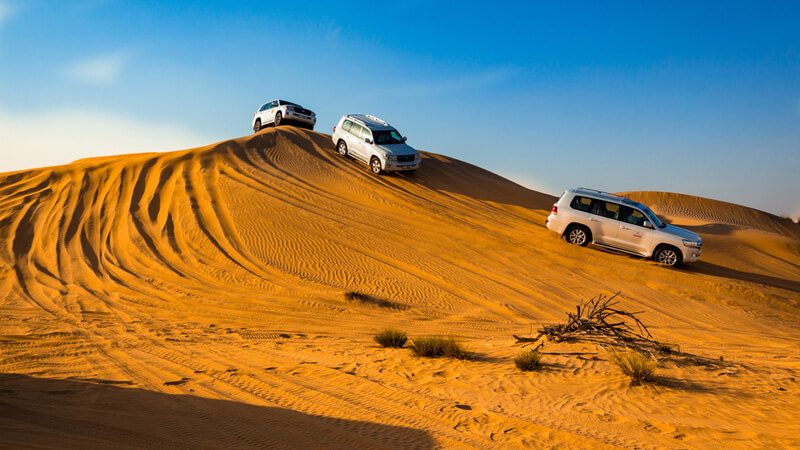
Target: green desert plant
{"x":639,"y":367}
{"x":391,"y":337}
{"x":527,"y":360}
{"x":436,"y":346}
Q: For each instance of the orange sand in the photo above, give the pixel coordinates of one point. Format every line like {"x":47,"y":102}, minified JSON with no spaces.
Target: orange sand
{"x":194,"y":298}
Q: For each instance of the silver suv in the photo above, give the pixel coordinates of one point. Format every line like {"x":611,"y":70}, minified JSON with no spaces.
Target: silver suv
{"x":586,"y":215}
{"x":278,"y":112}
{"x":375,"y":143}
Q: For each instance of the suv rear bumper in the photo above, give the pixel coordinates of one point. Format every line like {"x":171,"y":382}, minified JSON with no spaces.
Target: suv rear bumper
{"x":554,"y":224}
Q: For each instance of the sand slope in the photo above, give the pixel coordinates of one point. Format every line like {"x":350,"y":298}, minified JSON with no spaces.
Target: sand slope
{"x":195,"y":298}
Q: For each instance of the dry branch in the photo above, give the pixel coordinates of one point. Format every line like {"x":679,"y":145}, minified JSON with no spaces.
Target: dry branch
{"x":598,"y":319}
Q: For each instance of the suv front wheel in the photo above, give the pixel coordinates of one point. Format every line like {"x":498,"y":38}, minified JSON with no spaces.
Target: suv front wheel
{"x":668,"y":256}
{"x":577,"y":235}
{"x":375,"y":166}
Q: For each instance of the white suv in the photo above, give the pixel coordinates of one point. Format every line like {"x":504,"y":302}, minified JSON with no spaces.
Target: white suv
{"x":280,"y":111}
{"x":586,"y":215}
{"x":375,"y":143}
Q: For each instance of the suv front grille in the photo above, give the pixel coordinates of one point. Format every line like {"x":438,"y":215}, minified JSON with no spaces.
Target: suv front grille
{"x":406,"y":158}
{"x":303,"y":111}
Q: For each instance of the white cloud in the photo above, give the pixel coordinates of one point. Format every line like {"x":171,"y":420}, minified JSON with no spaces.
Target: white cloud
{"x":5,"y":12}
{"x":103,"y":69}
{"x":56,"y":137}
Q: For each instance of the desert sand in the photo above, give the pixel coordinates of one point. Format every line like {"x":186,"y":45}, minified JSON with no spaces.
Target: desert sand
{"x":195,"y":299}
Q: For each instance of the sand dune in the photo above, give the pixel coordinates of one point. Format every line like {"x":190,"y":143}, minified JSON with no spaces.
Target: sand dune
{"x":195,"y":298}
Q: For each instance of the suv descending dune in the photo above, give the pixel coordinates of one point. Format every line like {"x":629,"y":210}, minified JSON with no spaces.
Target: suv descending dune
{"x":278,"y":112}
{"x":375,"y":143}
{"x":586,"y":215}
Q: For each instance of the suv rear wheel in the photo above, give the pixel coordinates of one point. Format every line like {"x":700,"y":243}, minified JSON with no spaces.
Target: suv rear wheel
{"x":667,"y":255}
{"x":342,"y":147}
{"x":578,"y":235}
{"x":375,"y":166}
{"x":257,"y":126}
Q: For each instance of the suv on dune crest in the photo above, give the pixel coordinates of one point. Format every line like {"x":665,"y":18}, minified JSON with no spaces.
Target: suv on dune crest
{"x":278,"y":112}
{"x":375,"y":143}
{"x":586,"y":215}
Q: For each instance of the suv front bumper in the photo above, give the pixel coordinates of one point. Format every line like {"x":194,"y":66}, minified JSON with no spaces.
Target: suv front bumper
{"x":391,"y":166}
{"x":297,"y":117}
{"x":691,"y":254}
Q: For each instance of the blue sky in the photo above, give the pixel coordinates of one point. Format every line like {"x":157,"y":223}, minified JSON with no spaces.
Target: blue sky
{"x":697,"y":98}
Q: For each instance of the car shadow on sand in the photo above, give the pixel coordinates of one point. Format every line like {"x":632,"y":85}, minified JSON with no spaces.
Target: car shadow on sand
{"x":70,"y":413}
{"x":707,"y":268}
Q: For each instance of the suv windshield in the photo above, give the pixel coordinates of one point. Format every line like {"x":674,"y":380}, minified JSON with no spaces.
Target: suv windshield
{"x":387,"y":137}
{"x":653,"y":217}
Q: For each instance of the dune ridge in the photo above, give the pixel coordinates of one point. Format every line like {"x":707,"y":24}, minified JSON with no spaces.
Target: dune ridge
{"x":212,"y":279}
{"x":682,"y":206}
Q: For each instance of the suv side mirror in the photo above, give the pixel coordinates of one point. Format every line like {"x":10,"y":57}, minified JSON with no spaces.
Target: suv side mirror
{"x":368,"y":140}
{"x":405,"y":138}
{"x":647,"y":224}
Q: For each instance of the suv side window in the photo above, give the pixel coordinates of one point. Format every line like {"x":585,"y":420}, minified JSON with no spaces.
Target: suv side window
{"x":346,"y":125}
{"x":366,"y":133}
{"x":581,"y":204}
{"x":632,"y":216}
{"x":606,"y":209}
{"x":264,"y":107}
{"x":355,"y":129}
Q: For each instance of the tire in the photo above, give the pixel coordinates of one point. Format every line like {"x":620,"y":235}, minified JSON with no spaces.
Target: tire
{"x":257,"y":126}
{"x":278,"y":117}
{"x":341,"y":147}
{"x":578,"y":235}
{"x":375,"y":166}
{"x":668,"y":256}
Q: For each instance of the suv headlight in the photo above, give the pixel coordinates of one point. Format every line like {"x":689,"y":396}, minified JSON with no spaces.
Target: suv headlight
{"x":390,"y":157}
{"x":694,"y":244}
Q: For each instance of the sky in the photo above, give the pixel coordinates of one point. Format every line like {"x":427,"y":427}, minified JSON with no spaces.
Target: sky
{"x":700,"y":98}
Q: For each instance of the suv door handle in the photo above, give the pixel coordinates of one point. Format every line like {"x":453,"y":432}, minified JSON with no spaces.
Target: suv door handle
{"x":624,"y":227}
{"x":592,"y":219}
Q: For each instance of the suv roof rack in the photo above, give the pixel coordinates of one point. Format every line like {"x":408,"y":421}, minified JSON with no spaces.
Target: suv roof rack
{"x":378,"y":120}
{"x":620,"y":198}
{"x":598,"y":192}
{"x":364,"y":118}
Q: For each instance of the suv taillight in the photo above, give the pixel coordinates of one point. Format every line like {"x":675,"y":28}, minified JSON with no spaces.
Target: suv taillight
{"x":554,"y":210}
{"x":334,"y":129}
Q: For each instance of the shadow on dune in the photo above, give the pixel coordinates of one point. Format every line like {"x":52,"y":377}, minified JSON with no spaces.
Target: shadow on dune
{"x":41,"y":412}
{"x":708,"y":268}
{"x":443,"y":174}
{"x":448,"y":175}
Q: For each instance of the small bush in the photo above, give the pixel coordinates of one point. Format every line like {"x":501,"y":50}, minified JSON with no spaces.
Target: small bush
{"x":436,"y":346}
{"x":355,"y":296}
{"x":665,"y":347}
{"x":527,"y":360}
{"x":364,"y":299}
{"x":391,"y":337}
{"x":639,"y":367}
